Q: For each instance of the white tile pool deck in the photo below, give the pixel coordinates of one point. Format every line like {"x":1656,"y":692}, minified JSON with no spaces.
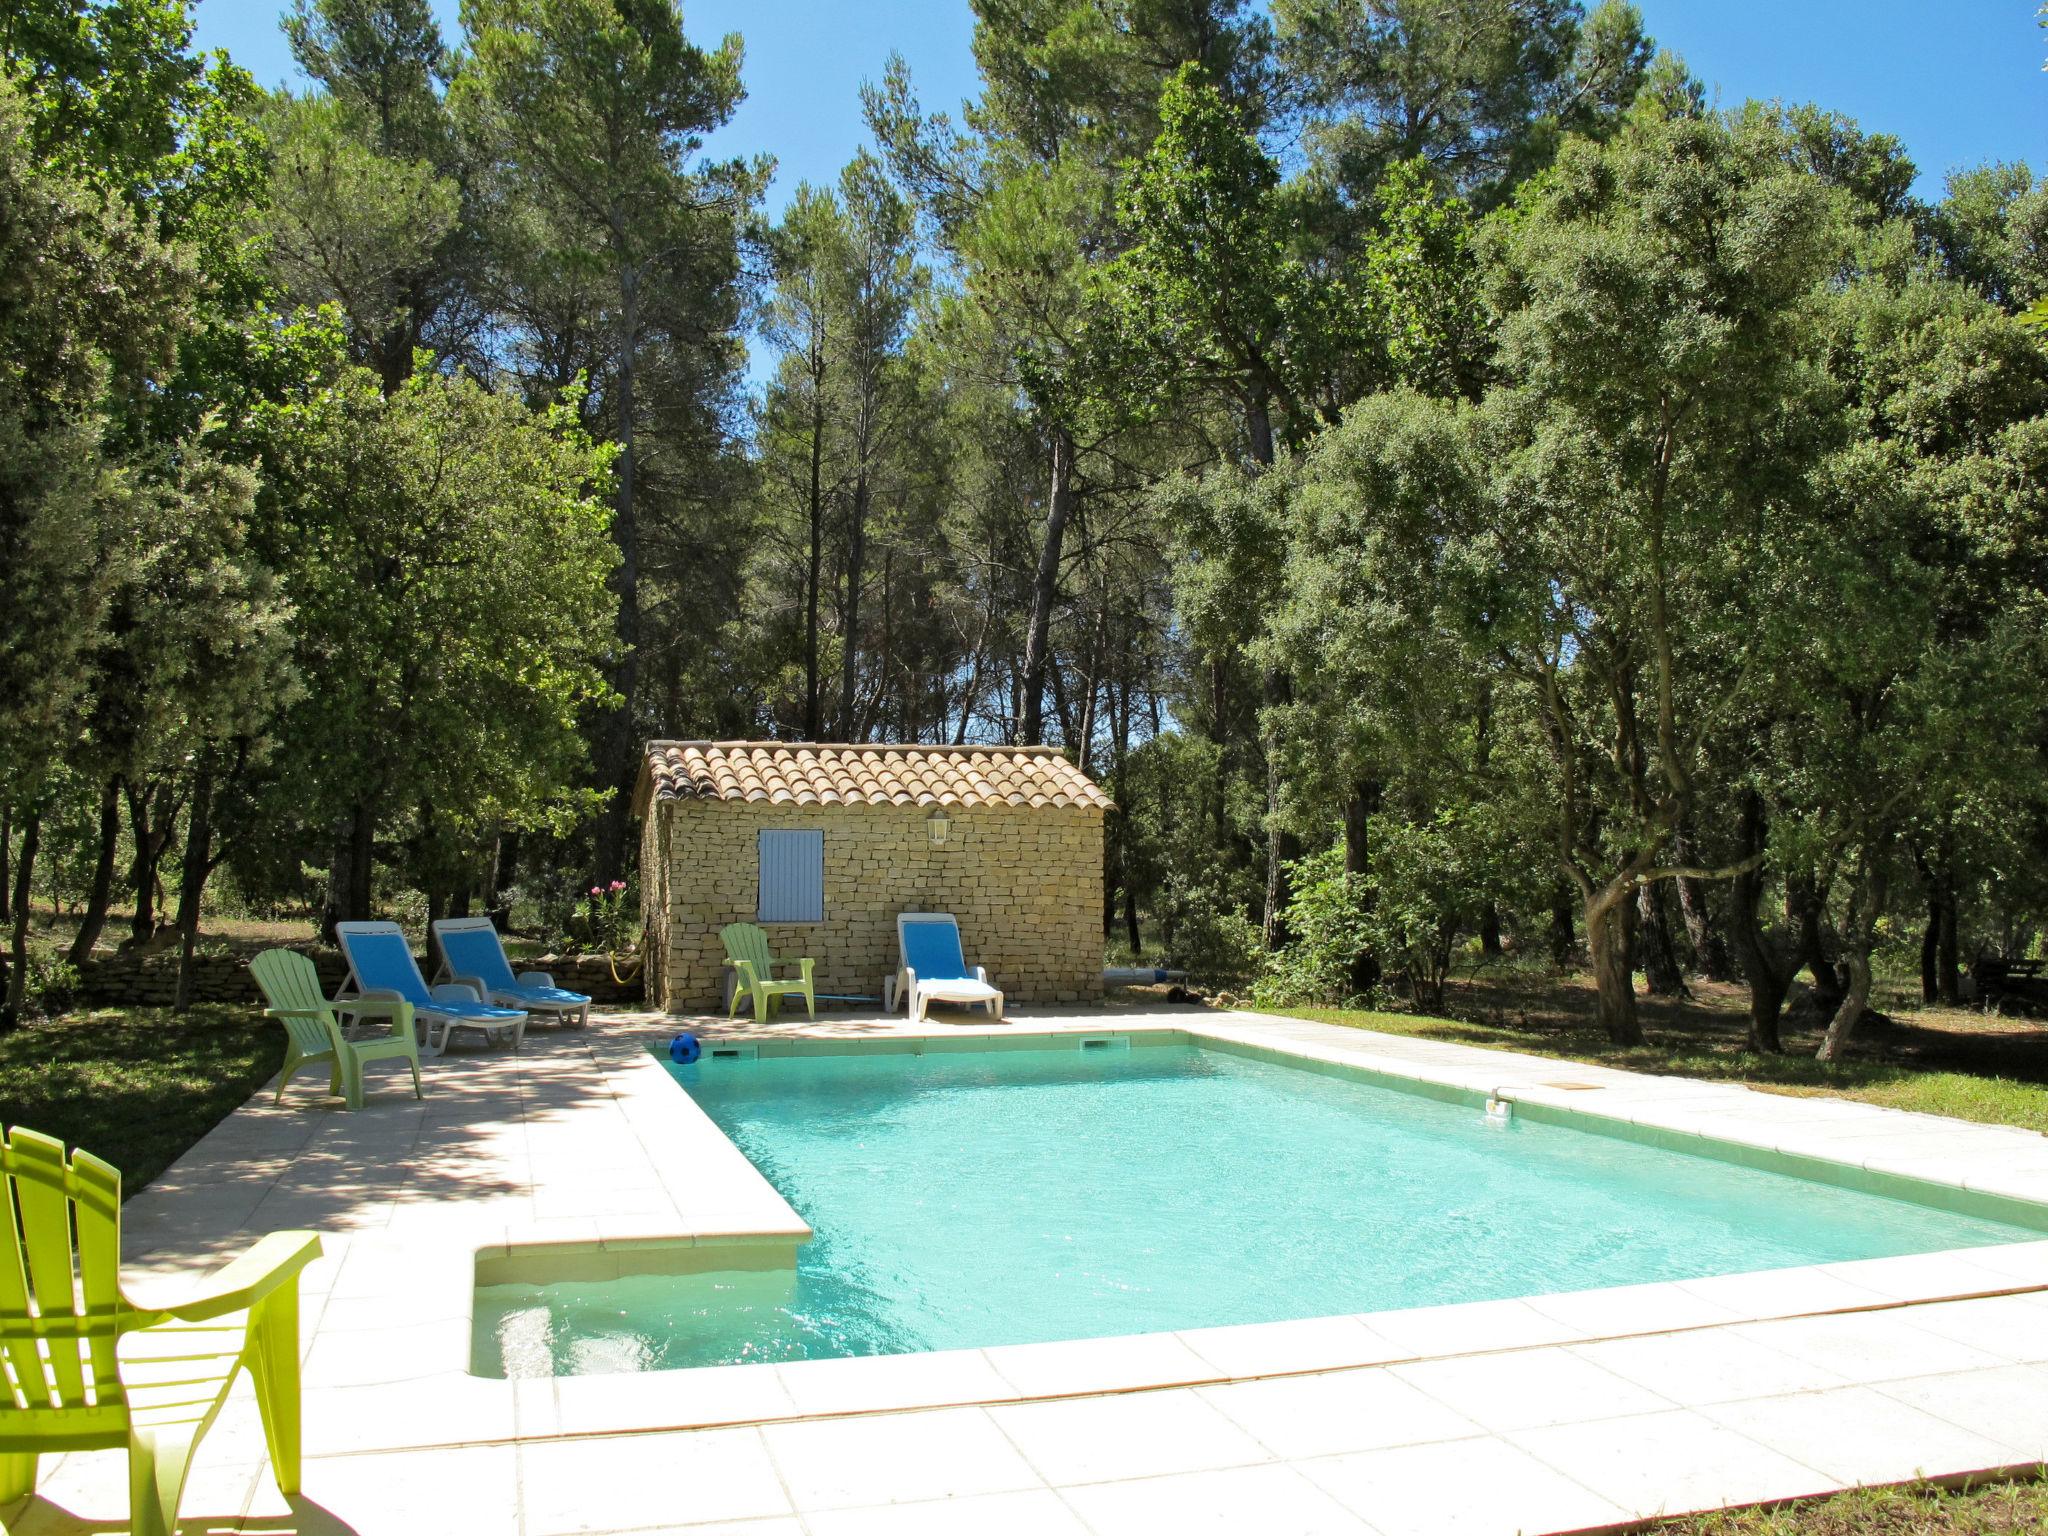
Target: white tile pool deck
{"x":1558,"y":1413}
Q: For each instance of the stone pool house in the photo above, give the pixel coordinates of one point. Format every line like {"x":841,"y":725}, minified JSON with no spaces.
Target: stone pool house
{"x":823,"y":845}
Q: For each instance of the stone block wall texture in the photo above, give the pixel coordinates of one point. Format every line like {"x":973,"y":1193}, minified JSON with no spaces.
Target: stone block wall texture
{"x":1026,"y":885}
{"x":150,"y":977}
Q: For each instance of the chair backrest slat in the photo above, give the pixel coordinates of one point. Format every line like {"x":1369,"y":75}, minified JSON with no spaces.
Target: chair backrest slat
{"x":28,"y":1384}
{"x":288,"y":980}
{"x":96,"y":1204}
{"x":64,"y":1298}
{"x":931,"y":946}
{"x":743,"y":941}
{"x":476,"y":952}
{"x":382,"y":960}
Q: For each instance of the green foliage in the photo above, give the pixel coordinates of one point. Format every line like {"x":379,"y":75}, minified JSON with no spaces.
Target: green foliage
{"x":1209,"y":289}
{"x":356,"y":228}
{"x":446,"y":554}
{"x":1992,"y":230}
{"x":1429,"y":880}
{"x":91,"y":308}
{"x":1482,"y":92}
{"x":1330,"y":923}
{"x":380,"y":61}
{"x":608,"y":918}
{"x":1207,"y":935}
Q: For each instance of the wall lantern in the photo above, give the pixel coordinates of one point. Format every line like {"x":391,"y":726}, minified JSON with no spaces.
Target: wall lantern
{"x":939,"y":825}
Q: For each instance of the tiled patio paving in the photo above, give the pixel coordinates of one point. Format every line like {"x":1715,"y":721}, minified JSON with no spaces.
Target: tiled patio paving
{"x":1554,"y":1414}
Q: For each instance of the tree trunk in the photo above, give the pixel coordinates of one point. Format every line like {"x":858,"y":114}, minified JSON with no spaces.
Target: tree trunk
{"x":1562,"y":940}
{"x":1855,"y":999}
{"x":94,"y":918}
{"x":1809,"y":901}
{"x":618,"y":758}
{"x":1359,"y":808}
{"x":192,"y":881}
{"x":1660,"y":960}
{"x":849,"y":639}
{"x":351,"y":881}
{"x":6,"y":853}
{"x":1045,"y":583}
{"x":1283,"y":847}
{"x":1259,"y":426}
{"x":152,"y":815}
{"x":17,"y":956}
{"x":1930,"y":941}
{"x":1859,"y":937}
{"x":1607,"y":938}
{"x":814,"y":719}
{"x":1489,"y":932}
{"x":1767,"y":973}
{"x":1709,"y":950}
{"x":504,"y":868}
{"x":1948,"y":968}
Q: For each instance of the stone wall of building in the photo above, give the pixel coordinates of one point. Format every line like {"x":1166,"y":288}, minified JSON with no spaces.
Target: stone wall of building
{"x":1026,"y":885}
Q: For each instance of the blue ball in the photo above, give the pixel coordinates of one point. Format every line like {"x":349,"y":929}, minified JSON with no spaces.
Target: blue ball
{"x":684,"y":1049}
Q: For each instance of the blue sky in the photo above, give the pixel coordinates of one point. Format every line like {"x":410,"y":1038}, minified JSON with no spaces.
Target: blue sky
{"x":1959,"y":80}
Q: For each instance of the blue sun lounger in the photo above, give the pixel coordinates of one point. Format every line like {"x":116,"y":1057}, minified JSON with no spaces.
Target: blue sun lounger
{"x":472,"y":952}
{"x":934,"y":970}
{"x":381,"y":966}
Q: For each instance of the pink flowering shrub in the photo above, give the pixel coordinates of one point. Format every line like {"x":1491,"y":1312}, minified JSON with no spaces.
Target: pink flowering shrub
{"x":607,"y":917}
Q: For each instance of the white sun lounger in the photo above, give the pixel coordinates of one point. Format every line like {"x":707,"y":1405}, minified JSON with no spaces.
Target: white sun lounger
{"x":934,"y":969}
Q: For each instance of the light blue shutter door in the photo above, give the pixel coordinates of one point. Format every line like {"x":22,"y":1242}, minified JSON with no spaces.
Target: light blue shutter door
{"x":792,"y":877}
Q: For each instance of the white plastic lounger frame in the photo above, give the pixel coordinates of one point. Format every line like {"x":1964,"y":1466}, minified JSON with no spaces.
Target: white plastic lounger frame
{"x":933,"y":968}
{"x":381,"y":965}
{"x":472,"y":953}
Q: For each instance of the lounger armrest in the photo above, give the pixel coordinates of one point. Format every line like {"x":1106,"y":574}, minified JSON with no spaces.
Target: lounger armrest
{"x":906,"y":988}
{"x":381,"y":1005}
{"x":455,"y":992}
{"x":275,"y":1260}
{"x":807,"y":968}
{"x":536,"y":978}
{"x":981,"y":975}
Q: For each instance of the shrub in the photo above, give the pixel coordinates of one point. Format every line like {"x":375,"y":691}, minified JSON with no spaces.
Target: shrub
{"x":1208,"y":936}
{"x":1329,"y":925}
{"x":606,"y":917}
{"x":50,"y":984}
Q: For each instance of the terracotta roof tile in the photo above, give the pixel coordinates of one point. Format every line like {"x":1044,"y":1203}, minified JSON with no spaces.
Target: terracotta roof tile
{"x":806,"y":773}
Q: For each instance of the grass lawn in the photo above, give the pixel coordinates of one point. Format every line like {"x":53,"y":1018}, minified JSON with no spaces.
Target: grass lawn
{"x":1938,"y":1061}
{"x":136,"y":1086}
{"x":1995,"y":1509}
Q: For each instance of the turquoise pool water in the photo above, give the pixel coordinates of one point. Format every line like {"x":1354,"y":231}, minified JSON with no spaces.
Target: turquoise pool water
{"x":1003,"y":1197}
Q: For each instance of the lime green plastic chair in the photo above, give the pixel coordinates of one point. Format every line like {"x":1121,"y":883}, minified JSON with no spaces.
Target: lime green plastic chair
{"x":312,"y":1033}
{"x":84,"y":1369}
{"x":747,"y":948}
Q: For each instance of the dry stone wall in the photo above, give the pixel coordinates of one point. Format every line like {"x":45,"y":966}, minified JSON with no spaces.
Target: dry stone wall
{"x":150,"y":977}
{"x":1025,"y":883}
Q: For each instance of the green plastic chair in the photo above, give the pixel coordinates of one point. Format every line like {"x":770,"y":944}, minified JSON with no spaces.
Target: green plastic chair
{"x":747,"y":948}
{"x":85,"y":1369}
{"x":312,"y":1033}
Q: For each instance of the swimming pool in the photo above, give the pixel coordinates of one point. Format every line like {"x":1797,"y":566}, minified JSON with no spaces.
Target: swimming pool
{"x":979,"y":1197}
